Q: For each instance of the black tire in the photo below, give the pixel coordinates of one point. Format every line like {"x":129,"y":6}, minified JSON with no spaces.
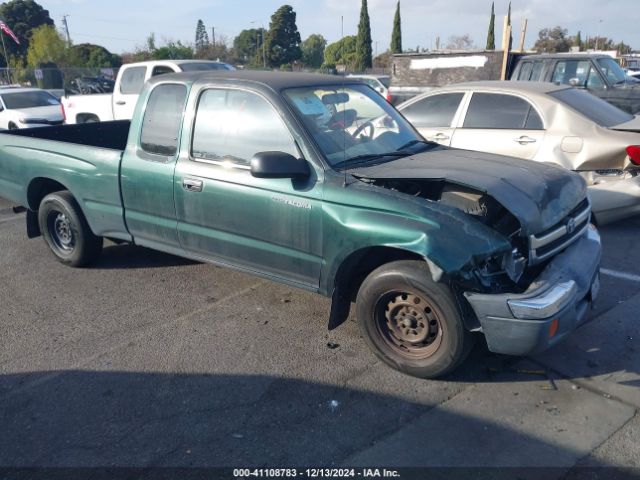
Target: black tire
{"x":412,"y":323}
{"x":13,"y":126}
{"x":66,"y":231}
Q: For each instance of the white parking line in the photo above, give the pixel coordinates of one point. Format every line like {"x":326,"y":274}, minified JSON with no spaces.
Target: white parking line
{"x":622,"y":275}
{"x":10,"y":219}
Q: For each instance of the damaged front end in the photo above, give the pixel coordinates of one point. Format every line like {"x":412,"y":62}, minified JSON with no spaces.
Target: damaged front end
{"x":504,"y":271}
{"x":532,"y":294}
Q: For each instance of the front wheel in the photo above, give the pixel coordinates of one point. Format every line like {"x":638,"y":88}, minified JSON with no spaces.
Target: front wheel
{"x":66,"y":231}
{"x":410,"y":322}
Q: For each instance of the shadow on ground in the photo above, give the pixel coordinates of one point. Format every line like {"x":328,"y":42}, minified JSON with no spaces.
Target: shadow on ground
{"x":90,"y":419}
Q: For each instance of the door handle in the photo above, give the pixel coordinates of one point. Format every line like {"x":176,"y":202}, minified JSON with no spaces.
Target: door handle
{"x":523,"y":140}
{"x":192,"y":185}
{"x":441,"y":136}
{"x":121,"y":102}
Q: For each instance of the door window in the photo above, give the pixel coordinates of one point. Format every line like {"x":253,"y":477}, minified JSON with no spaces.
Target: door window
{"x":499,"y":111}
{"x":525,"y":71}
{"x":233,"y":125}
{"x":161,"y":70}
{"x":132,"y":80}
{"x":434,"y":111}
{"x":572,"y":72}
{"x":162,"y":120}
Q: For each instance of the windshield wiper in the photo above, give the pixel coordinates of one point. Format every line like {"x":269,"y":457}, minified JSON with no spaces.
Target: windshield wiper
{"x":415,"y":142}
{"x":367,"y":157}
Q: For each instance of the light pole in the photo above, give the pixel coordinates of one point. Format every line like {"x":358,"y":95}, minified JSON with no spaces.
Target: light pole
{"x":598,"y":34}
{"x":261,"y":36}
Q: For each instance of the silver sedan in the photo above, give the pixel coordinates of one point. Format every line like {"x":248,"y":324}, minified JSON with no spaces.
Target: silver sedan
{"x":542,"y":122}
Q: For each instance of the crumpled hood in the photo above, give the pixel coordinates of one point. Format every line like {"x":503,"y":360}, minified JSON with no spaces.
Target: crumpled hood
{"x":539,"y":195}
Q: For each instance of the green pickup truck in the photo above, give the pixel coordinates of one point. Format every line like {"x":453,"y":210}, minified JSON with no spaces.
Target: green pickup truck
{"x":316,"y":182}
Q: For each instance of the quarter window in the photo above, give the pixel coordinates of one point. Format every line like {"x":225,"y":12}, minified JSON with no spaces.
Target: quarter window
{"x":162,"y":120}
{"x":434,"y":111}
{"x":132,"y":80}
{"x":233,"y":125}
{"x":497,"y":111}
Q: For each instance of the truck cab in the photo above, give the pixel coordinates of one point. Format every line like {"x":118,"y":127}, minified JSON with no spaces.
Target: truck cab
{"x":600,"y":74}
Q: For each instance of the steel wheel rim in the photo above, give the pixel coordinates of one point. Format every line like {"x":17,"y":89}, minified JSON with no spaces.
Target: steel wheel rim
{"x":61,"y":232}
{"x":409,"y":324}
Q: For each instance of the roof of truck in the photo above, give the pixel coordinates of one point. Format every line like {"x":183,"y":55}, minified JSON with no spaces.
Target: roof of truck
{"x":275,"y":80}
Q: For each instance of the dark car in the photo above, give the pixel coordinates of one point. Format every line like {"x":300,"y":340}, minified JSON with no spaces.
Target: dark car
{"x":599,"y":74}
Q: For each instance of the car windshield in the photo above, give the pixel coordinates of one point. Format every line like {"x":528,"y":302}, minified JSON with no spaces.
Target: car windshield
{"x":199,"y":67}
{"x":612,"y":70}
{"x":592,"y":107}
{"x":18,"y":100}
{"x":352,"y":123}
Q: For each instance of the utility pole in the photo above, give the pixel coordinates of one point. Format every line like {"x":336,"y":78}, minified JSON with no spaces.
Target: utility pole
{"x":66,"y":28}
{"x":213,"y":36}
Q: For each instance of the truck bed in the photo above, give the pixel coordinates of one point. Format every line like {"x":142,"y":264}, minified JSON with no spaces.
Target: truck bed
{"x":112,"y":135}
{"x":84,"y":159}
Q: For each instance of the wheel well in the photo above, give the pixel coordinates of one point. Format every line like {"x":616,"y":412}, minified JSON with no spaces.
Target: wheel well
{"x":40,"y":188}
{"x":352,"y":272}
{"x":84,"y":117}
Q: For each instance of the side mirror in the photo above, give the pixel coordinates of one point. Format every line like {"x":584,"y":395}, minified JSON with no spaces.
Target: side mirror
{"x":278,"y":165}
{"x":575,"y":82}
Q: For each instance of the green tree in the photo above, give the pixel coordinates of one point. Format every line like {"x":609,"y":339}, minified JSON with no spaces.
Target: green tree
{"x":91,"y":55}
{"x":342,"y":52}
{"x":313,"y":50}
{"x":552,"y":40}
{"x":491,"y":35}
{"x":173,"y":51}
{"x":282,"y":44}
{"x":578,"y":41}
{"x":363,"y":44}
{"x":202,"y":37}
{"x":396,"y":35}
{"x":248,"y":45}
{"x":47,"y":45}
{"x":22,"y":17}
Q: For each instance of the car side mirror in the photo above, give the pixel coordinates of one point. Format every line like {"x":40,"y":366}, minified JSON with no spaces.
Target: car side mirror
{"x":575,"y":82}
{"x":279,"y":165}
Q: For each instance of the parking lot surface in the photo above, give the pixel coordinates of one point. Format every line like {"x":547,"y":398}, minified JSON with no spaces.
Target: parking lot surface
{"x":147,"y":359}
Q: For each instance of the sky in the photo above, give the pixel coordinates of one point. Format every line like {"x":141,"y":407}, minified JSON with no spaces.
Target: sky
{"x":121,"y":26}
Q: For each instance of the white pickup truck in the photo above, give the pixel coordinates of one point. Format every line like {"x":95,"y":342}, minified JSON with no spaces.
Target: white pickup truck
{"x":131,"y":77}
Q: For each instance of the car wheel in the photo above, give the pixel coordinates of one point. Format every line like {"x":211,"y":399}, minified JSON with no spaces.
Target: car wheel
{"x":412,"y":323}
{"x":13,"y":126}
{"x":66,"y":231}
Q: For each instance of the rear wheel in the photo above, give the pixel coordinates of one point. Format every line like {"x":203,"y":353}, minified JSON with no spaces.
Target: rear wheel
{"x":66,"y":231}
{"x":411,"y":322}
{"x":13,"y":126}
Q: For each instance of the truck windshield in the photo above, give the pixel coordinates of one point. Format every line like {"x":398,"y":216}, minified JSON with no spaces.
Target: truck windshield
{"x":351,"y":122}
{"x":33,"y":99}
{"x":592,"y":107}
{"x":612,"y":70}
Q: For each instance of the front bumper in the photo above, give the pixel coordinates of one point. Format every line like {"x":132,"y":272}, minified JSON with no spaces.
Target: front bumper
{"x":555,"y":304}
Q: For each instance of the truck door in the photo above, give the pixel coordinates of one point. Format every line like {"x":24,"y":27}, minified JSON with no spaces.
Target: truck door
{"x":148,"y":168}
{"x":126,"y":93}
{"x":502,"y":124}
{"x":267,"y":226}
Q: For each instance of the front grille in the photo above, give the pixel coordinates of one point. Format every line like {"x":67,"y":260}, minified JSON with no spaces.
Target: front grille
{"x":546,"y":244}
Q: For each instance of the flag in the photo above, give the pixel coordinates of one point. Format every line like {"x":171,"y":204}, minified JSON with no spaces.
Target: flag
{"x":8,"y":31}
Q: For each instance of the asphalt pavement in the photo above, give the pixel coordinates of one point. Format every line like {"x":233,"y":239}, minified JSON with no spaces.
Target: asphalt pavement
{"x":149,"y":360}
